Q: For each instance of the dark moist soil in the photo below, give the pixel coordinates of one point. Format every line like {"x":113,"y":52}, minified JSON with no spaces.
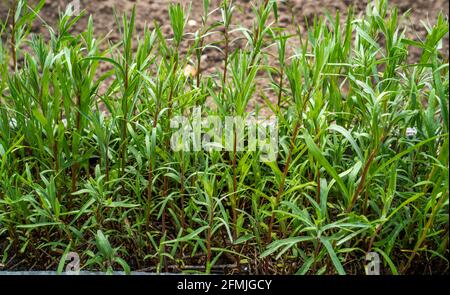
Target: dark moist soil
{"x":293,"y":13}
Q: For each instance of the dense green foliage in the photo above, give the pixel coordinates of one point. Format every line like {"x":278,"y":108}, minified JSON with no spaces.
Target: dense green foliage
{"x":348,"y":179}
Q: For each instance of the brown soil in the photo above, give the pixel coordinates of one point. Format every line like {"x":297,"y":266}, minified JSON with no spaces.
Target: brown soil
{"x":293,"y":13}
{"x":149,"y":11}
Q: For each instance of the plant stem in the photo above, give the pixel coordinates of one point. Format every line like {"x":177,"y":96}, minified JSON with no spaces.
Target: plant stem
{"x":125,"y":121}
{"x":182,"y":217}
{"x":76,"y":166}
{"x":280,"y":92}
{"x":316,"y":253}
{"x":150,"y":175}
{"x":283,"y":179}
{"x":208,"y":240}
{"x":164,"y":229}
{"x":361,"y":184}
{"x":225,"y":67}
{"x":234,"y":198}
{"x":199,"y":60}
{"x":13,"y":37}
{"x":424,"y":232}
{"x":107,"y":162}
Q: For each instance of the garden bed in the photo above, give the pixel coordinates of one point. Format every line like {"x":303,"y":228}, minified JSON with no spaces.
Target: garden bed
{"x":357,"y":166}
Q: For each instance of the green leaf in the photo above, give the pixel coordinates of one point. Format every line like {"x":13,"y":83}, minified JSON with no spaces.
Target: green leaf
{"x":188,"y":237}
{"x":306,"y":266}
{"x":388,"y":260}
{"x":36,"y":225}
{"x":62,"y":262}
{"x":349,"y":137}
{"x":103,"y":245}
{"x":290,"y":242}
{"x":312,"y":147}
{"x":333,"y":256}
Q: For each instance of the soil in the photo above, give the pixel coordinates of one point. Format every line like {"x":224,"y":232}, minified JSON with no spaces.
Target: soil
{"x":149,"y":11}
{"x":293,"y":13}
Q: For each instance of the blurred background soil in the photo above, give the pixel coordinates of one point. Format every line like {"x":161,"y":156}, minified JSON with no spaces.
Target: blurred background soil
{"x":293,"y":14}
